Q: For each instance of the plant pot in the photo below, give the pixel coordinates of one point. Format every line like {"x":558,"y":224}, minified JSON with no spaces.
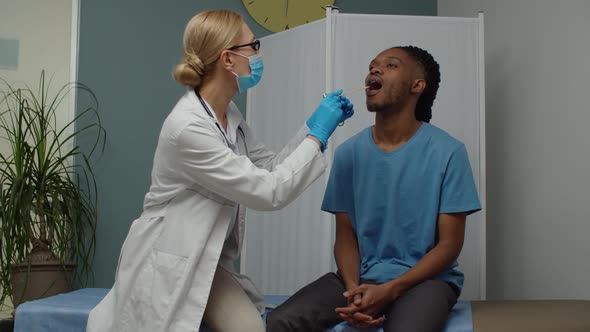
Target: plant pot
{"x":45,"y":276}
{"x":7,"y":325}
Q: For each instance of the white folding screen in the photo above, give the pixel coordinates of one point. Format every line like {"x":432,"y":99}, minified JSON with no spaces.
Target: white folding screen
{"x":284,"y":250}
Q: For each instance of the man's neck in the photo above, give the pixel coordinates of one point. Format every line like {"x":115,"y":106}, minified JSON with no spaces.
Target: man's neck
{"x":394,"y":129}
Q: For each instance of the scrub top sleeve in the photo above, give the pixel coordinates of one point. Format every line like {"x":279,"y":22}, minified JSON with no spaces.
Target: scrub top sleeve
{"x":339,"y":190}
{"x":459,"y":193}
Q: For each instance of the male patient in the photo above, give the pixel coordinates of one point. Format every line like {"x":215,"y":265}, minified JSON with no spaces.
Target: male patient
{"x":401,"y":191}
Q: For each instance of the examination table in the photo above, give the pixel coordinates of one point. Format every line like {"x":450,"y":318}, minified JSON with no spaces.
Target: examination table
{"x":69,"y":312}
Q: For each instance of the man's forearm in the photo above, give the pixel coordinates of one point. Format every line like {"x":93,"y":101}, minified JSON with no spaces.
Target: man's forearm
{"x":348,"y":262}
{"x":451,"y":231}
{"x":431,"y":265}
{"x":346,"y":251}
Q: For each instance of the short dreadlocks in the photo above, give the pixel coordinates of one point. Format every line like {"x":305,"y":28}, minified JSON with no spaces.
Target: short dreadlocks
{"x":431,"y":71}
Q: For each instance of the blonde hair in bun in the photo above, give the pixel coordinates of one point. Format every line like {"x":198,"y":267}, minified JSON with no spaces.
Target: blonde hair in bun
{"x":206,"y":35}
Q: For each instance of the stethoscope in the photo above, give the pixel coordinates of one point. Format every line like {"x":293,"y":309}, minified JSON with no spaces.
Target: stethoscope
{"x":219,"y":127}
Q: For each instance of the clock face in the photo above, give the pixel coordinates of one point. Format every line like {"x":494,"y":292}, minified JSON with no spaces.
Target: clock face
{"x":279,"y":15}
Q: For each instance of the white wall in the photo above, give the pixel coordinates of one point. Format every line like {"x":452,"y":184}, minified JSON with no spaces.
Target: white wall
{"x":538,"y":145}
{"x":43,"y":29}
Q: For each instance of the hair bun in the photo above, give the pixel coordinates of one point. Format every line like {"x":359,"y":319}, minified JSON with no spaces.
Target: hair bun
{"x":190,"y":71}
{"x":195,"y":63}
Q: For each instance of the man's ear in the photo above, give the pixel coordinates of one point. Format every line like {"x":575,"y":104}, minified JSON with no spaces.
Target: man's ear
{"x":419,"y":85}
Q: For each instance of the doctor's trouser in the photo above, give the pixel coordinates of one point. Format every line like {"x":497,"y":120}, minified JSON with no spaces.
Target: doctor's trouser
{"x":229,"y":308}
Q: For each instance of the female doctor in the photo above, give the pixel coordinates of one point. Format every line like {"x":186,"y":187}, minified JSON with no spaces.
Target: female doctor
{"x":176,"y":264}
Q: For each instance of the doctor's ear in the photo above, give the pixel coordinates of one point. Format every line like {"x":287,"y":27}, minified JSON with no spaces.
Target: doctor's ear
{"x":226,"y":60}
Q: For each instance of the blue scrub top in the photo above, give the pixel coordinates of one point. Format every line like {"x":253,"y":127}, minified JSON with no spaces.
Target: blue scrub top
{"x":394,"y":198}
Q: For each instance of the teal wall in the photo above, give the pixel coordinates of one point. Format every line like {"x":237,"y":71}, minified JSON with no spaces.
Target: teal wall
{"x":127,"y":51}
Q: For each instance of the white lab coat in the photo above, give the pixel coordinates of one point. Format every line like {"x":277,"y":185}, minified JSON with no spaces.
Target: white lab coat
{"x":169,"y":257}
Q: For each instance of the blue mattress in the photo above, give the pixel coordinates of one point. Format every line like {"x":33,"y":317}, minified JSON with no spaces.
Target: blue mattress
{"x":69,"y":312}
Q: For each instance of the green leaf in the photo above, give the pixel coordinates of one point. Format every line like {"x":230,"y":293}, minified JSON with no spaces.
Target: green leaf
{"x":47,"y":185}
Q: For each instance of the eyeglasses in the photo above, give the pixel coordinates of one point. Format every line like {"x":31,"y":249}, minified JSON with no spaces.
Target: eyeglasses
{"x":255,"y":45}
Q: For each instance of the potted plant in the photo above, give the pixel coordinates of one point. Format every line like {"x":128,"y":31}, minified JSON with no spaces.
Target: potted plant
{"x":47,"y":190}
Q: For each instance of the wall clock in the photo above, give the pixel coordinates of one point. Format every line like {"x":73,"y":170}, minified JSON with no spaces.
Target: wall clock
{"x":279,"y":15}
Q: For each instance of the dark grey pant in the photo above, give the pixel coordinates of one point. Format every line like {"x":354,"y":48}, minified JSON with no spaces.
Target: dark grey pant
{"x":424,"y":308}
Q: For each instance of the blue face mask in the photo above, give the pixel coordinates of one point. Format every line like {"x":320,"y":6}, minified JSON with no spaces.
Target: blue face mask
{"x":256,"y":68}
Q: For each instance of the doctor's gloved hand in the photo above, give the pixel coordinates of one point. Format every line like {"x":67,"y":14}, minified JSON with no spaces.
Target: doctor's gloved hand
{"x":331,"y":111}
{"x":347,"y":108}
{"x":345,"y":105}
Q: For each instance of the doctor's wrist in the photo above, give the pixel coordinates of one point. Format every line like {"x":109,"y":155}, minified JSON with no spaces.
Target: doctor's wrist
{"x":313,"y":138}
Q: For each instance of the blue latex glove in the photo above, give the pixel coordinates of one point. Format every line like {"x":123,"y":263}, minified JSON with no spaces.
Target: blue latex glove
{"x":347,"y":109}
{"x":331,"y":111}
